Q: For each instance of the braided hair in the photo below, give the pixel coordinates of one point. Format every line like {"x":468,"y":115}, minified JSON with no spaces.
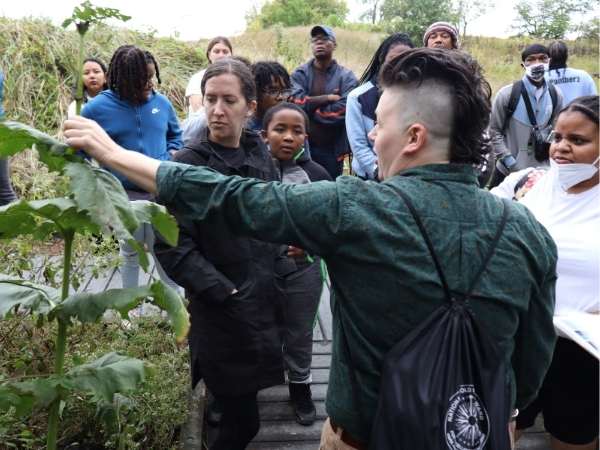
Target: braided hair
{"x":265,"y":71}
{"x":372,"y":70}
{"x":128,"y":73}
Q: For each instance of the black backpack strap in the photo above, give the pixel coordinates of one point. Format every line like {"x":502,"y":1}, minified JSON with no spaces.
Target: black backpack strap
{"x":493,"y":245}
{"x":438,"y":267}
{"x":528,"y":106}
{"x":554,"y":98}
{"x":436,"y":262}
{"x":513,"y":101}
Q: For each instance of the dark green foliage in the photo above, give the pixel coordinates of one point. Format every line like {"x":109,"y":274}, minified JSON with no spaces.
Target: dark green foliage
{"x":548,"y":19}
{"x":414,"y":16}
{"x":300,"y":12}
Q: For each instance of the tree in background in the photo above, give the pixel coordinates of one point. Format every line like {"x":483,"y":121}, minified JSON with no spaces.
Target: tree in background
{"x":414,"y":16}
{"x":548,"y":19}
{"x":466,"y":11}
{"x":371,"y":14}
{"x":290,"y":13}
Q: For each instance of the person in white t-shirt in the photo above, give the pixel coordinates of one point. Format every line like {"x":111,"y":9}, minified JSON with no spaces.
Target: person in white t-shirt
{"x":218,"y":48}
{"x":566,"y":200}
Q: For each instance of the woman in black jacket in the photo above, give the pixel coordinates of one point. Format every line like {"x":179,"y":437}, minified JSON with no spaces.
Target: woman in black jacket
{"x":230,"y":280}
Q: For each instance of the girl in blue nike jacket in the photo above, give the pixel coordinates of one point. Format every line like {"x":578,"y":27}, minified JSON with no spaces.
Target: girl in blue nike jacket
{"x":140,"y":119}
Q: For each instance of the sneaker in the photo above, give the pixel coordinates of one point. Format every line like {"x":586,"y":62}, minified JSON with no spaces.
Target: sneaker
{"x":304,"y":408}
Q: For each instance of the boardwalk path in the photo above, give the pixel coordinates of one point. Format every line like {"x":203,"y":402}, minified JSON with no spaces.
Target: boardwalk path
{"x":279,"y":430}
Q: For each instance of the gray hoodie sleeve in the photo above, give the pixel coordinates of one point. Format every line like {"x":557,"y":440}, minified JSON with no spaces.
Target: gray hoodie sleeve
{"x":497,"y":119}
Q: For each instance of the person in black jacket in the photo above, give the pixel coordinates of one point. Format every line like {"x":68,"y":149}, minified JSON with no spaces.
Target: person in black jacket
{"x":285,"y":131}
{"x":230,"y":280}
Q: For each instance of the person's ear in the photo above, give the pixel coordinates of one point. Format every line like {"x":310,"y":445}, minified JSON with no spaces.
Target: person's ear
{"x":523,"y":65}
{"x":417,"y":139}
{"x":263,"y":135}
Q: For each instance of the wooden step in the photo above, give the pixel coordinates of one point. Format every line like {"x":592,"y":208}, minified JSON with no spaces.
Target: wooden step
{"x":288,"y":431}
{"x":281,"y":393}
{"x":283,"y":411}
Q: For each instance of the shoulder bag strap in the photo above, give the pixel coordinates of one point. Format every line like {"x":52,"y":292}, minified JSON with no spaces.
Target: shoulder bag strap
{"x":528,"y":106}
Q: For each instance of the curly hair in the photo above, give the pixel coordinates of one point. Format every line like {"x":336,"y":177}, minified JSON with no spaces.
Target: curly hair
{"x":128,"y":73}
{"x":235,"y":68}
{"x":586,"y":105}
{"x":470,"y":92}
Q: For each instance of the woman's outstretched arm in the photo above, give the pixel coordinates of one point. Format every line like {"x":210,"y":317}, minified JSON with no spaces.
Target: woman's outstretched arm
{"x":87,"y":135}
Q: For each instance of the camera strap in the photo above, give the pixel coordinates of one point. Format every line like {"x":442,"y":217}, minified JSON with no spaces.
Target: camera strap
{"x":528,"y":106}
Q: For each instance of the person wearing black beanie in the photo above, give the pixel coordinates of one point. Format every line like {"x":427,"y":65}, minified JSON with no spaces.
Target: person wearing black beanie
{"x":522,"y":116}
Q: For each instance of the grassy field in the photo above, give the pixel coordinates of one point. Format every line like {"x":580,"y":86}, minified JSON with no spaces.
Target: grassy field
{"x":38,"y":59}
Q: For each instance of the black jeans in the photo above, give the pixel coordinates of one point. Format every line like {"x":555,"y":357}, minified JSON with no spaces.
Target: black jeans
{"x":326,"y":157}
{"x":7,"y":194}
{"x":240,"y":422}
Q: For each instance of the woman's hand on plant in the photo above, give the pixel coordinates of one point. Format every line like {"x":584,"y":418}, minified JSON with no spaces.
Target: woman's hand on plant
{"x":87,"y":135}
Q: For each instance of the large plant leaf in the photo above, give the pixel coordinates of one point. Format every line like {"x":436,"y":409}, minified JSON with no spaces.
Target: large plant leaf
{"x":170,"y":301}
{"x":102,"y":379}
{"x":25,"y":395}
{"x":21,"y":295}
{"x":107,"y":375}
{"x":87,"y":13}
{"x":101,"y":194}
{"x":160,"y":219}
{"x":16,"y":137}
{"x":40,"y":218}
{"x":89,"y":307}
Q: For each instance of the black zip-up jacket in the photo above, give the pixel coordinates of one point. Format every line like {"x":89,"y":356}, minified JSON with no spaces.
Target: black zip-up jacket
{"x":234,"y":341}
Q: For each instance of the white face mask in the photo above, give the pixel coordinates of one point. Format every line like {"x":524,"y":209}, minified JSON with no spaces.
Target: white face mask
{"x":536,"y":71}
{"x":569,"y":175}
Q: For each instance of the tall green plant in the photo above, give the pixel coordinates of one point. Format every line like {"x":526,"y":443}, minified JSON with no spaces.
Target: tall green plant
{"x":83,"y":16}
{"x":97,"y":203}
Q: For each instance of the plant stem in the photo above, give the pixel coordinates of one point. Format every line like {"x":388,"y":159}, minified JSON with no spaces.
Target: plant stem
{"x":61,"y":343}
{"x":79,"y":97}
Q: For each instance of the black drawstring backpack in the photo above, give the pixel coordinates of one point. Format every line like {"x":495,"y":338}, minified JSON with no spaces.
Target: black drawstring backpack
{"x":443,"y":386}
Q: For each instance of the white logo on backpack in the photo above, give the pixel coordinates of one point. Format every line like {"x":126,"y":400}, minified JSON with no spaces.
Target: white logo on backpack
{"x":467,"y":423}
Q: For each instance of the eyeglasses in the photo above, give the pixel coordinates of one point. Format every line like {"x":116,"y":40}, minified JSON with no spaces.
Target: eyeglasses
{"x":551,"y":137}
{"x":285,"y":93}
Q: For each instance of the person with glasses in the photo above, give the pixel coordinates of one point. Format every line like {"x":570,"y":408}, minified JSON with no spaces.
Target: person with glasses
{"x":143,"y":120}
{"x":272,"y":87}
{"x":565,"y":199}
{"x":320,"y":87}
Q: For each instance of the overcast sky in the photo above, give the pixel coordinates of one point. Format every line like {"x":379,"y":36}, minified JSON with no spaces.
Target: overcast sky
{"x":192,"y":20}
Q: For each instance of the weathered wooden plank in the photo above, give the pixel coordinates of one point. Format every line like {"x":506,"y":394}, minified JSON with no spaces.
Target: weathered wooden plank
{"x":288,"y":431}
{"x":321,"y":348}
{"x":534,"y":441}
{"x":283,"y":411}
{"x":312,"y":445}
{"x":321,"y":362}
{"x":281,"y":393}
{"x":320,"y":376}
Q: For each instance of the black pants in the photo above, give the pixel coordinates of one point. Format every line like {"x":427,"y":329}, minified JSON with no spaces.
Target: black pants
{"x":240,"y":422}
